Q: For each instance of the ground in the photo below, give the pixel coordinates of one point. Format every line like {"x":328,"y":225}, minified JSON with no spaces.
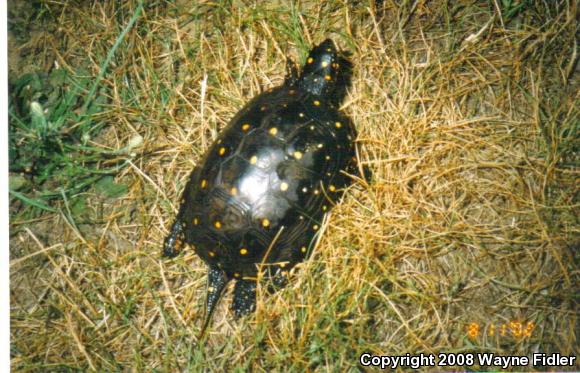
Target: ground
{"x":465,"y":240}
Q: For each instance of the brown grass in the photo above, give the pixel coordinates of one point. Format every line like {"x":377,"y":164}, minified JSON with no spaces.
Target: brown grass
{"x":467,"y":117}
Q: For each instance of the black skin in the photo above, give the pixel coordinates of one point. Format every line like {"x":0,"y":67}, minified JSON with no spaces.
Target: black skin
{"x":236,"y":242}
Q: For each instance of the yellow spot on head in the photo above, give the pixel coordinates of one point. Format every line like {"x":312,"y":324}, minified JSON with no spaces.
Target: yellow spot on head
{"x":273,"y":131}
{"x":265,"y":223}
{"x":320,"y":146}
{"x":327,"y":77}
{"x":245,"y":127}
{"x":301,"y":115}
{"x":284,"y":186}
{"x":218,"y":224}
{"x":262,"y":108}
{"x":211,"y":253}
{"x":316,"y":191}
{"x":316,"y":103}
{"x":338,"y":124}
{"x":254,"y":160}
{"x":236,"y":275}
{"x":327,"y":157}
{"x":324,"y":64}
{"x":315,"y":227}
{"x":324,"y":208}
{"x":195,"y":221}
{"x":303,"y":249}
{"x":310,"y":60}
{"x":243,"y":251}
{"x":283,"y":264}
{"x":234,"y":191}
{"x":332,"y":188}
{"x":222,"y":151}
{"x":203,"y":183}
{"x":297,"y":155}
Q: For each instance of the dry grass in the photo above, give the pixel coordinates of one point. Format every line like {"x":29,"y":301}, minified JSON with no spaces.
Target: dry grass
{"x":467,"y":116}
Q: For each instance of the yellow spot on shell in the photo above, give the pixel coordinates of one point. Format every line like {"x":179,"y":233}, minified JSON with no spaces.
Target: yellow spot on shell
{"x":217,"y":224}
{"x":211,"y":253}
{"x":243,"y":251}
{"x":245,"y":127}
{"x":320,"y":146}
{"x":324,"y":64}
{"x":222,"y":151}
{"x":310,"y":60}
{"x":195,"y":221}
{"x":324,"y":208}
{"x":332,"y":188}
{"x":327,"y":77}
{"x":301,"y":115}
{"x":254,"y":160}
{"x":303,"y":249}
{"x":265,"y":223}
{"x":283,"y":264}
{"x":316,"y":191}
{"x":338,"y":124}
{"x":327,"y":157}
{"x":284,"y":186}
{"x":203,"y":183}
{"x":273,"y":131}
{"x":234,"y":191}
{"x":315,"y":227}
{"x":316,"y":103}
{"x":297,"y":155}
{"x":236,"y":275}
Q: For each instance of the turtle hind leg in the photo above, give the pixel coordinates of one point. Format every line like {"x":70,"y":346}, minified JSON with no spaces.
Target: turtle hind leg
{"x":278,"y":281}
{"x":244,"y":297}
{"x":173,"y":243}
{"x":216,"y":283}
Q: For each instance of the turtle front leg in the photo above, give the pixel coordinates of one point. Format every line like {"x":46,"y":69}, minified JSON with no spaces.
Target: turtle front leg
{"x":244,"y":297}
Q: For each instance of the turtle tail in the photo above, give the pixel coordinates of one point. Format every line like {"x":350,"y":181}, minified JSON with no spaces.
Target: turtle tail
{"x":216,"y":283}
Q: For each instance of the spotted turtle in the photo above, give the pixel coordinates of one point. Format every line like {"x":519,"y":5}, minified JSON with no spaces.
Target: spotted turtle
{"x":257,"y":200}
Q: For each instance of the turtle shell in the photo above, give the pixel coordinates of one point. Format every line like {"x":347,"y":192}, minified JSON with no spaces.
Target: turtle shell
{"x":260,"y":193}
{"x":257,"y":199}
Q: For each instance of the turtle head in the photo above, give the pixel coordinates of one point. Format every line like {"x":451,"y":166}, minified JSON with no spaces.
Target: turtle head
{"x":326,"y":73}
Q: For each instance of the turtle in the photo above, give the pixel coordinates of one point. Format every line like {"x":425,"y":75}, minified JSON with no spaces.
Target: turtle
{"x":256,"y":202}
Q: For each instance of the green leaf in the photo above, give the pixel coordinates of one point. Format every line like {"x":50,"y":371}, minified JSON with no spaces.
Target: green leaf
{"x":109,"y":188}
